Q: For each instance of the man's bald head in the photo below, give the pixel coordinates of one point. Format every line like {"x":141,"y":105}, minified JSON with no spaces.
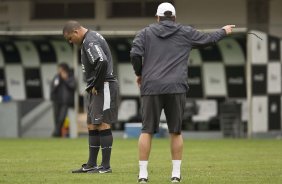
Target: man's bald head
{"x":70,"y":26}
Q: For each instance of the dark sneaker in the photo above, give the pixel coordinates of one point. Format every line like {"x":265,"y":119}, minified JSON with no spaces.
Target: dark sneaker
{"x":84,"y":169}
{"x":175,"y":180}
{"x":100,"y":169}
{"x":103,"y":170}
{"x":142,"y":180}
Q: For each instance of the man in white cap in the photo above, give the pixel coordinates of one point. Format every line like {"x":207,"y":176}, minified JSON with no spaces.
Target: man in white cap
{"x":159,"y":57}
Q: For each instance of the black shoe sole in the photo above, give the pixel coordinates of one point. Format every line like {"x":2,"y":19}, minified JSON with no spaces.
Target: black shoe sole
{"x":100,"y":171}
{"x":175,"y":180}
{"x":142,"y":180}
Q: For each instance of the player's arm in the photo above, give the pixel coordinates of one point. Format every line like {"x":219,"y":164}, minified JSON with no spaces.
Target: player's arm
{"x":137,"y":52}
{"x":136,"y":62}
{"x":204,"y":39}
{"x":97,"y":57}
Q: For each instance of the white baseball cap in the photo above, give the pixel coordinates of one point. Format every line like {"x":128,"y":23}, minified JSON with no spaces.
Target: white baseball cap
{"x":162,"y":8}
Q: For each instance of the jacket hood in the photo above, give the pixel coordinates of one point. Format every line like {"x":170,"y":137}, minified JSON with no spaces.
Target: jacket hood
{"x":165,"y":28}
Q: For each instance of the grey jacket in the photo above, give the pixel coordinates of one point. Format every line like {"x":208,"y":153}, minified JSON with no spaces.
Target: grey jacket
{"x":165,"y":48}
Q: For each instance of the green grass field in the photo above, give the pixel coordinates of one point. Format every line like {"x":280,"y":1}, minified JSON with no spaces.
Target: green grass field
{"x":205,"y":161}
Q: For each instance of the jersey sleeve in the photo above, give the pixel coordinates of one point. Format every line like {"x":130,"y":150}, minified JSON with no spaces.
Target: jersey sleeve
{"x":94,"y":52}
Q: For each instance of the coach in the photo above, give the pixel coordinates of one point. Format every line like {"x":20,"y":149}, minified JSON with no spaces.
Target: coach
{"x":159,"y":56}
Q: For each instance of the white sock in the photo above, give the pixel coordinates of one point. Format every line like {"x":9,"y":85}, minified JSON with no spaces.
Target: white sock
{"x":143,"y":173}
{"x":176,"y":168}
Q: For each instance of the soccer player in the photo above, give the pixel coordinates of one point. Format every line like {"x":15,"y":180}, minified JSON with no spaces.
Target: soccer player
{"x":159,"y":56}
{"x":102,"y":89}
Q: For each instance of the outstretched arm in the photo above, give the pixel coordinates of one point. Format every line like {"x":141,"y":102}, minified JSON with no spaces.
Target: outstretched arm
{"x":199,"y":39}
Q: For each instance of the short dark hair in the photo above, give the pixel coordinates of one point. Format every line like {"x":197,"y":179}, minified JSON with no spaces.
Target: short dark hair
{"x":64,"y":66}
{"x":70,"y":26}
{"x":167,"y":16}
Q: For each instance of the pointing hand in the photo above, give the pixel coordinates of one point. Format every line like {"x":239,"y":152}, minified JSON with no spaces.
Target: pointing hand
{"x":228,"y":29}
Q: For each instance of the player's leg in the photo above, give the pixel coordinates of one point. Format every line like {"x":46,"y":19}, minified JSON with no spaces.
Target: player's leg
{"x":151,"y":111}
{"x":176,"y":155}
{"x":174,"y":108}
{"x":93,"y":140}
{"x":109,"y":108}
{"x":93,"y":129}
{"x":106,"y":139}
{"x":94,"y":144}
{"x":144,"y":146}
